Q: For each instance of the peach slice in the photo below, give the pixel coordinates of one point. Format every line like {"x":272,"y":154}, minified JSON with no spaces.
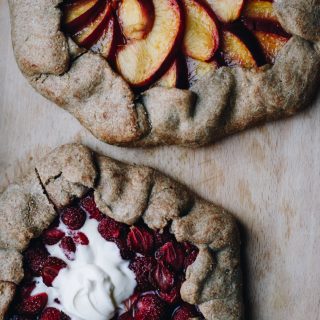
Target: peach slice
{"x":136,"y":18}
{"x":227,"y":10}
{"x":270,"y":43}
{"x":77,"y":14}
{"x":260,"y":10}
{"x":88,"y":36}
{"x":198,"y":69}
{"x":107,"y":43}
{"x":170,"y":78}
{"x":201,"y":39}
{"x":176,"y":76}
{"x":141,"y":62}
{"x":235,"y":52}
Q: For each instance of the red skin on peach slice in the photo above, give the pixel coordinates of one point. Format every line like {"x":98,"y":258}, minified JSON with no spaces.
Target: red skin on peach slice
{"x":88,"y":36}
{"x":136,"y":18}
{"x":142,"y":62}
{"x":106,"y":44}
{"x":235,"y":52}
{"x":259,"y":10}
{"x":201,"y":39}
{"x":270,"y":43}
{"x":170,"y":78}
{"x":227,"y":10}
{"x":77,"y":15}
{"x":176,"y":76}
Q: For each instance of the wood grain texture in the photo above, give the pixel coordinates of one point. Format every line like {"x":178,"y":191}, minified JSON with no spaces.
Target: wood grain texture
{"x":269,"y":177}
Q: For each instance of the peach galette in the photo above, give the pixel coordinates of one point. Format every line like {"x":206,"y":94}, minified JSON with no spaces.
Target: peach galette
{"x":187,"y":72}
{"x":86,"y":237}
{"x":172,"y":43}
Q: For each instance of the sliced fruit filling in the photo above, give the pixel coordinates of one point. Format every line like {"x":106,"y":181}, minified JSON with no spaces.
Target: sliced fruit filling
{"x":144,"y":39}
{"x":89,"y":266}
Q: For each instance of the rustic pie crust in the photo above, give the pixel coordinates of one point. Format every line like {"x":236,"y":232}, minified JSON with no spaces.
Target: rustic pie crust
{"x":223,"y":102}
{"x":126,"y":193}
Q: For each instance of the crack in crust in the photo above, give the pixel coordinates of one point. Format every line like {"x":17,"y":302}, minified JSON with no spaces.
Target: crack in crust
{"x":125,"y":193}
{"x":222,"y":103}
{"x":25,"y":211}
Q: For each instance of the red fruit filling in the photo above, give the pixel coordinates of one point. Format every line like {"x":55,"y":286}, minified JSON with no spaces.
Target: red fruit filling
{"x":140,"y":240}
{"x":172,"y":254}
{"x":73,"y":218}
{"x":88,"y":204}
{"x":53,"y":314}
{"x":32,"y":305}
{"x":68,"y":246}
{"x":150,"y":306}
{"x":173,"y":295}
{"x":81,"y":238}
{"x":52,"y":236}
{"x":35,"y":257}
{"x":156,"y":258}
{"x":164,"y":278}
{"x":185,"y":312}
{"x":26,"y":289}
{"x":112,"y":230}
{"x":143,"y":267}
{"x":51,"y":269}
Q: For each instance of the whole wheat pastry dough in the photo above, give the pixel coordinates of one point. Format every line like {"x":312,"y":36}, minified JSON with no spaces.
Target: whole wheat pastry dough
{"x":223,"y":102}
{"x":125,"y":193}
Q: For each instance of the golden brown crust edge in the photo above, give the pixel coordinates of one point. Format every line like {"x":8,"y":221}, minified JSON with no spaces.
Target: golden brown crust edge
{"x":126,"y":193}
{"x":223,"y":103}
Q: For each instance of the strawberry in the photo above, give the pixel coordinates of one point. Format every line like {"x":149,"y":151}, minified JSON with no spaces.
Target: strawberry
{"x":173,"y":296}
{"x":68,"y":247}
{"x":140,"y":240}
{"x":26,"y":289}
{"x":53,"y":314}
{"x":130,"y":302}
{"x":32,"y":305}
{"x":163,"y":277}
{"x":81,"y":238}
{"x":125,"y":252}
{"x":112,"y":230}
{"x":150,"y":306}
{"x":172,"y":254}
{"x":73,"y":218}
{"x":51,"y":269}
{"x":35,"y":257}
{"x":89,"y":205}
{"x":52,"y":236}
{"x":143,"y":268}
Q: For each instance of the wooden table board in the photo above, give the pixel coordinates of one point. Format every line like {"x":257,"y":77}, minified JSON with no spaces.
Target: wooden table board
{"x":268,"y":177}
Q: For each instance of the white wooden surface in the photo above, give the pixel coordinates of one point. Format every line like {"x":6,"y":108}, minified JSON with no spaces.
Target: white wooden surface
{"x":268,"y":177}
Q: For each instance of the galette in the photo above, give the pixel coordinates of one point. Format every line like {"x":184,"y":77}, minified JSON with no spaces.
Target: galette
{"x":85,"y":237}
{"x":183,"y":72}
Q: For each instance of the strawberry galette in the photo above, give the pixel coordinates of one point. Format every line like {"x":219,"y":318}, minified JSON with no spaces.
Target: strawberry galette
{"x":186,"y":72}
{"x":85,"y":237}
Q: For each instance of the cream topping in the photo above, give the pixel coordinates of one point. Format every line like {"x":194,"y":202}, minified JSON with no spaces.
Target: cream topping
{"x":95,"y":283}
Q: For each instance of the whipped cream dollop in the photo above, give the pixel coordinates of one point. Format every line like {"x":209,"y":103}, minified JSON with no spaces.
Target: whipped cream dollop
{"x":95,"y":283}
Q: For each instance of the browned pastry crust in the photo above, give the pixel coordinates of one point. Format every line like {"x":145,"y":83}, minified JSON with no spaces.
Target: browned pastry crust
{"x":126,"y":193}
{"x":222,"y":103}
